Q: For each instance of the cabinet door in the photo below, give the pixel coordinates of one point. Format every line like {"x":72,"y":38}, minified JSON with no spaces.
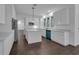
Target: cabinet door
{"x":48,"y":19}
{"x":2,"y":13}
{"x":45,"y":23}
{"x":44,"y":33}
{"x":61,"y":17}
{"x":52,"y":21}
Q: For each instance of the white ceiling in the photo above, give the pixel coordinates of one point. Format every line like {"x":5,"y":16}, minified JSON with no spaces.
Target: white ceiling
{"x":40,"y":8}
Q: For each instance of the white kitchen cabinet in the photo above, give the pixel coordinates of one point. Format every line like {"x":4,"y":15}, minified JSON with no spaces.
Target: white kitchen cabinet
{"x":61,"y":16}
{"x":46,"y":22}
{"x":5,"y":10}
{"x":33,"y":36}
{"x":6,"y":42}
{"x":2,"y":13}
{"x":44,"y":33}
{"x":60,"y":36}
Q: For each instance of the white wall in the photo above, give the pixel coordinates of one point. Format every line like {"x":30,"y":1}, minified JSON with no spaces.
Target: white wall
{"x":13,"y":12}
{"x":20,"y":25}
{"x":20,"y":18}
{"x":76,"y":24}
{"x":72,"y":24}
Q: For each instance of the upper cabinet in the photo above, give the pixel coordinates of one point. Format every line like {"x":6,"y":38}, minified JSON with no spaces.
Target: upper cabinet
{"x":61,"y":17}
{"x":52,"y":21}
{"x":13,"y":12}
{"x":7,"y":12}
{"x":2,"y":13}
{"x":47,"y":22}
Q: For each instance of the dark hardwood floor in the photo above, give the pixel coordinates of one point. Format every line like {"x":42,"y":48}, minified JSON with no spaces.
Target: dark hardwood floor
{"x":45,"y":47}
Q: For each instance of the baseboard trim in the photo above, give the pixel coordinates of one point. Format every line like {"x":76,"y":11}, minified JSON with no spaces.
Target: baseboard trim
{"x":71,"y":45}
{"x":55,"y":42}
{"x":60,"y":44}
{"x":25,"y":39}
{"x":34,"y":44}
{"x":12,"y":47}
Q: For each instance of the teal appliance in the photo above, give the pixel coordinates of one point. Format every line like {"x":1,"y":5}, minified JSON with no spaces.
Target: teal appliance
{"x":48,"y":34}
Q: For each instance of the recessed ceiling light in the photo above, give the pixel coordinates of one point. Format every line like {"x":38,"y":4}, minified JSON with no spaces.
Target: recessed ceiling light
{"x":34,"y":4}
{"x":49,"y":10}
{"x":44,"y":16}
{"x":19,"y":22}
{"x":51,"y":14}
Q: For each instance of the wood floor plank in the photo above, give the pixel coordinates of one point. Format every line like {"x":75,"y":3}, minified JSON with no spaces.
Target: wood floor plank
{"x":46,"y":47}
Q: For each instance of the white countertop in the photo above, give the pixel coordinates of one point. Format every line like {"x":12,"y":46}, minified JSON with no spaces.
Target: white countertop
{"x":40,"y":29}
{"x":31,"y":29}
{"x":62,"y":30}
{"x":4,"y":35}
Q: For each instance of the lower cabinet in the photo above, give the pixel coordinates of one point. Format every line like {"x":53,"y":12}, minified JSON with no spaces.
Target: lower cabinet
{"x":6,"y":44}
{"x":61,"y":37}
{"x":44,"y":33}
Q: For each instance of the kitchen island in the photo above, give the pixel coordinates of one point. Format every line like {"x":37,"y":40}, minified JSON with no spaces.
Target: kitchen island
{"x":33,"y":35}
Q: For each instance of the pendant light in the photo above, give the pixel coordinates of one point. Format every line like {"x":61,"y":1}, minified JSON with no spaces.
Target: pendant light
{"x":33,"y":16}
{"x":33,"y":10}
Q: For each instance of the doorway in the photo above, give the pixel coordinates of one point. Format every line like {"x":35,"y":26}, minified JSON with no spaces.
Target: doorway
{"x":15,"y":28}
